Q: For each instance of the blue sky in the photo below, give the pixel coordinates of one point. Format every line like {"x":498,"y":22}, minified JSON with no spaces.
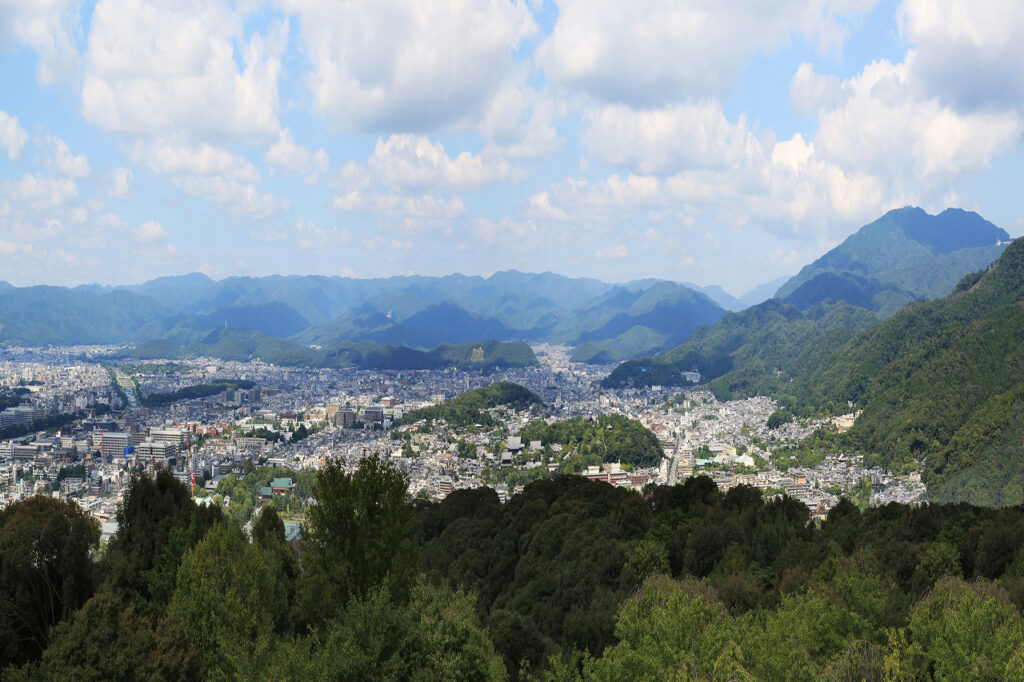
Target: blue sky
{"x":719,"y":142}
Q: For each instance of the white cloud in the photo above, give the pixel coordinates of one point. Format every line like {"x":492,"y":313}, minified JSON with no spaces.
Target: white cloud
{"x":667,"y":139}
{"x":412,"y":163}
{"x":234,"y":197}
{"x":426,"y":207}
{"x":809,"y":91}
{"x":289,"y":157}
{"x":174,"y":155}
{"x":968,"y":52}
{"x":160,"y":68}
{"x":12,"y":136}
{"x":890,"y":128}
{"x":310,"y":236}
{"x":612,"y":252}
{"x":574,"y":198}
{"x":61,"y":158}
{"x":399,"y":66}
{"x":40,"y":191}
{"x":511,"y":234}
{"x":375,"y":243}
{"x":47,"y":27}
{"x":649,"y":53}
{"x":119,"y":183}
{"x":150,"y":231}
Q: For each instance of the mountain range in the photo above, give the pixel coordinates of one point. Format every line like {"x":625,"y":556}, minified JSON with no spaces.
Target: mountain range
{"x":905,"y":256}
{"x":613,"y":321}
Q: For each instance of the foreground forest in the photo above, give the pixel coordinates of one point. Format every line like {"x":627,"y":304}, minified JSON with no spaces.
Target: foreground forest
{"x":570,"y":579}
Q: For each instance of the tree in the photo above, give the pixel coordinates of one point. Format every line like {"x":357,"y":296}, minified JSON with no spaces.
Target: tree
{"x":360,"y":530}
{"x":966,"y":631}
{"x":157,"y":524}
{"x":224,"y":601}
{"x":437,"y":635}
{"x":268,"y":536}
{"x":46,"y":572}
{"x":108,"y":640}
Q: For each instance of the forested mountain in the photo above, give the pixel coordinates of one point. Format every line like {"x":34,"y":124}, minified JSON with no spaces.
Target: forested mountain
{"x":416,"y":312}
{"x":232,"y":343}
{"x":941,"y":383}
{"x":752,"y":352}
{"x":568,"y":580}
{"x":905,"y":255}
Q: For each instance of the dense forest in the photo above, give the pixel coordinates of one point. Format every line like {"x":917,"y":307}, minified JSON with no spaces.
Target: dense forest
{"x":471,"y":407}
{"x":569,"y":580}
{"x":607,"y":438}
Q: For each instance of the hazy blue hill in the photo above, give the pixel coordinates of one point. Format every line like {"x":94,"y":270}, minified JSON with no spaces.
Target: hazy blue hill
{"x":174,"y":291}
{"x":42,"y":315}
{"x":444,"y":322}
{"x":717,"y":294}
{"x":761,"y":293}
{"x":923,"y":254}
{"x":637,"y":340}
{"x":274,"y":319}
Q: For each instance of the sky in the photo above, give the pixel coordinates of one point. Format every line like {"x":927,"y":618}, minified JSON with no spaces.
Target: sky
{"x":720,"y":142}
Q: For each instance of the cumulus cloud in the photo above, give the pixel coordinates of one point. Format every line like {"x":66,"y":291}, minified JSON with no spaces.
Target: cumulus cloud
{"x":310,"y":236}
{"x":175,"y":155}
{"x":62,"y":160}
{"x":649,"y":53}
{"x":48,"y":28}
{"x":119,"y":183}
{"x":809,"y":91}
{"x":150,"y":231}
{"x":411,"y":214}
{"x":39,"y":191}
{"x":234,"y":197}
{"x":12,"y":136}
{"x":612,"y":252}
{"x":160,"y":68}
{"x":389,"y":65}
{"x":967,"y":52}
{"x":288,"y":157}
{"x":412,"y":163}
{"x":666,"y":139}
{"x":888,"y":127}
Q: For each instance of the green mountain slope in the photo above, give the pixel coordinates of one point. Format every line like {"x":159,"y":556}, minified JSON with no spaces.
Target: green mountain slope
{"x":941,"y":383}
{"x":231,"y":343}
{"x":34,"y":316}
{"x":921,"y":254}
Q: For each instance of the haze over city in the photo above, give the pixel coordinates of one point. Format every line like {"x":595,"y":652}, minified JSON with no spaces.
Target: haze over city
{"x":720,"y":143}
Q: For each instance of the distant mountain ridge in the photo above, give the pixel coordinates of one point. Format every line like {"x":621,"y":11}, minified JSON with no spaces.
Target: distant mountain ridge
{"x":242,"y":345}
{"x":410,"y":311}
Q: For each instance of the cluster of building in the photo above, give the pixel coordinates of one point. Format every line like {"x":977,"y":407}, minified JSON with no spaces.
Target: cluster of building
{"x":346,"y":415}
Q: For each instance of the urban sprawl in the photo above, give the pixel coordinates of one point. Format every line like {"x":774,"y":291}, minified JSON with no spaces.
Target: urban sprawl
{"x":77,"y":427}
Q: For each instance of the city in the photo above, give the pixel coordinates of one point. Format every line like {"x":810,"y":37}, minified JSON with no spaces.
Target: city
{"x":106,"y":435}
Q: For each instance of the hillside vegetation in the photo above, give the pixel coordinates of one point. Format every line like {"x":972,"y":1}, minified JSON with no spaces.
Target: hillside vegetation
{"x":471,"y":408}
{"x":569,"y":580}
{"x":231,"y":343}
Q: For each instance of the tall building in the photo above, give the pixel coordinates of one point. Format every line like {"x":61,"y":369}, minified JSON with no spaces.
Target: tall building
{"x":157,"y":452}
{"x":113,"y":443}
{"x":176,"y":436}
